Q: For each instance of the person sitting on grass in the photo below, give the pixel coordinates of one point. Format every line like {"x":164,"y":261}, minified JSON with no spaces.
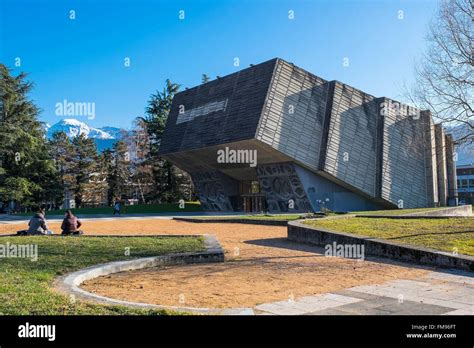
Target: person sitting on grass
{"x":71,"y":224}
{"x":37,"y":224}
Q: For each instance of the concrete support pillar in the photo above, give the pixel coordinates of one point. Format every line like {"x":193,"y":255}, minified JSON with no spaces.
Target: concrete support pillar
{"x":452,"y":198}
{"x":430,"y":160}
{"x":441,"y":165}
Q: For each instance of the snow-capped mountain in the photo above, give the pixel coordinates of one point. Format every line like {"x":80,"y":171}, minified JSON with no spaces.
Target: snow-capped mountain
{"x":104,"y":137}
{"x":115,"y":132}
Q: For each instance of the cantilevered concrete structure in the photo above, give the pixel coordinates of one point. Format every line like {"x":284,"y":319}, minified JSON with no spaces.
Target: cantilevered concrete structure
{"x":319,"y":145}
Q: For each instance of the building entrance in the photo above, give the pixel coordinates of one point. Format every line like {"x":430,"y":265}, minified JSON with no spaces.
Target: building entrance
{"x":250,"y":198}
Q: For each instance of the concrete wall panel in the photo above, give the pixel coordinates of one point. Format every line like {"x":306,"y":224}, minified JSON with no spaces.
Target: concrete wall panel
{"x":221,"y":111}
{"x":293,"y":117}
{"x":403,"y":159}
{"x":452,"y":198}
{"x":323,"y":193}
{"x":441,"y":166}
{"x":351,"y":154}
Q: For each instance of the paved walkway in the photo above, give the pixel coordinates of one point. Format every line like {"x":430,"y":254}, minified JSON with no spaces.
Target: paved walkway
{"x":436,"y":293}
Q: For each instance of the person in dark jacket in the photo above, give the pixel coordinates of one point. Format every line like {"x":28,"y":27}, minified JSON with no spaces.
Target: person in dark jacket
{"x":71,"y":224}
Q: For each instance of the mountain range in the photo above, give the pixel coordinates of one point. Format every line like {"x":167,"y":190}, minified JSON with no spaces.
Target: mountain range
{"x":104,"y":137}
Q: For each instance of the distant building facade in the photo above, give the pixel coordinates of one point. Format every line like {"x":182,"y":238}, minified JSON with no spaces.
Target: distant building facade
{"x":465,"y":183}
{"x":274,"y":137}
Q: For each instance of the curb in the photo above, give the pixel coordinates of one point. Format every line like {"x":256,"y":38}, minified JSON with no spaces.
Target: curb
{"x":107,"y":235}
{"x":69,"y":284}
{"x":407,"y":217}
{"x":236,"y":221}
{"x":299,"y":232}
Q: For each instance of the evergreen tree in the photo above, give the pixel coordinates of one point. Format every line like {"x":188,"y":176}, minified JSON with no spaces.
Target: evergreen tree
{"x":106,"y":160}
{"x":87,"y":172}
{"x":27,"y":174}
{"x":157,"y":111}
{"x":205,"y":78}
{"x":118,"y":165}
{"x":167,"y":179}
{"x":62,"y":150}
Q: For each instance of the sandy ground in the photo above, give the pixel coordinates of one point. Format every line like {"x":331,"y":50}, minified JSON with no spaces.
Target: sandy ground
{"x":261,"y":266}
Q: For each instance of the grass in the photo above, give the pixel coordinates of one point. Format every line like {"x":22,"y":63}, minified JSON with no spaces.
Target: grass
{"x":454,"y":234}
{"x":130,"y":209}
{"x":393,"y":212}
{"x":25,"y":285}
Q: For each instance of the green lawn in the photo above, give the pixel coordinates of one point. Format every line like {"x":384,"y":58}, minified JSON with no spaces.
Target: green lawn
{"x":131,"y":209}
{"x":25,"y":285}
{"x":392,"y":212}
{"x":441,"y":234}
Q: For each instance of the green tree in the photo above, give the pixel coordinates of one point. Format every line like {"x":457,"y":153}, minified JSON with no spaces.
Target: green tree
{"x":19,"y":189}
{"x":62,"y":151}
{"x":167,"y":179}
{"x":205,"y":78}
{"x":27,"y":173}
{"x":118,"y":170}
{"x":157,"y":111}
{"x":87,"y":171}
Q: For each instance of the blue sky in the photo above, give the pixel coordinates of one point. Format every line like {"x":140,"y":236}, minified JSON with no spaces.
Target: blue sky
{"x":82,"y":60}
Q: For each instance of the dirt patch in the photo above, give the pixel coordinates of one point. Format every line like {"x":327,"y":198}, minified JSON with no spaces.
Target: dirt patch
{"x":261,"y":266}
{"x":244,"y":283}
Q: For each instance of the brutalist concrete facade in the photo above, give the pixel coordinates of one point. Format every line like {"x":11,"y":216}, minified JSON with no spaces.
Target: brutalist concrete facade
{"x":319,"y":145}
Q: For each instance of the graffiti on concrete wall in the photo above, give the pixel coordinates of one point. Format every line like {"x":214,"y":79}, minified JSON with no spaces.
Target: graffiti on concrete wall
{"x":210,"y":190}
{"x":282,"y":188}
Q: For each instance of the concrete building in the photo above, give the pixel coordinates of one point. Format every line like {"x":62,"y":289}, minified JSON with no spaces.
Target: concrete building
{"x":276,"y":137}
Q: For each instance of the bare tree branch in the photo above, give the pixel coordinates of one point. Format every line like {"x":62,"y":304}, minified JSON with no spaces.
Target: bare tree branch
{"x":444,"y":79}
